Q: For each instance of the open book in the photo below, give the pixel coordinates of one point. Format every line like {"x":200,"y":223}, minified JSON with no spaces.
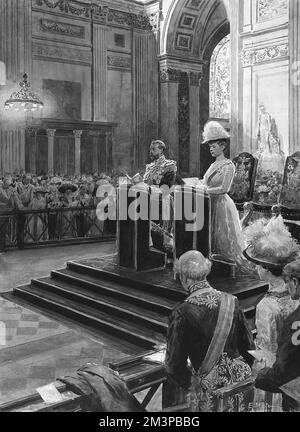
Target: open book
{"x":263,"y":356}
{"x":157,"y":357}
{"x":292,"y":389}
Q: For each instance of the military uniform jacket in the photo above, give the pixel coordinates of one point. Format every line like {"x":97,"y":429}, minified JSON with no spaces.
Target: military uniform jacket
{"x":157,"y":170}
{"x":191,"y":329}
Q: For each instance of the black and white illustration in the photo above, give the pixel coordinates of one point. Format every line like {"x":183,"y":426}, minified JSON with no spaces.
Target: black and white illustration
{"x":149,"y":206}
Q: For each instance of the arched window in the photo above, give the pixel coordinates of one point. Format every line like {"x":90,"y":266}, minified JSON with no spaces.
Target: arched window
{"x":219,"y":87}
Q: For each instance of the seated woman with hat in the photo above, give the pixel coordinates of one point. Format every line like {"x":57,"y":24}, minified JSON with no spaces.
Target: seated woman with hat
{"x":68,"y":224}
{"x":271,"y":247}
{"x":37,"y":224}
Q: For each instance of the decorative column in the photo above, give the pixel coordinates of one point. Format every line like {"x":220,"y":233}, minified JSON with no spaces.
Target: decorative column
{"x":51,"y":135}
{"x":169,"y":79}
{"x":238,"y":141}
{"x":100,"y":43}
{"x":15,"y":52}
{"x":15,"y":23}
{"x":30,"y":150}
{"x":294,"y":46}
{"x":145,"y":97}
{"x":184,"y":129}
{"x":77,"y":135}
{"x":195,"y":82}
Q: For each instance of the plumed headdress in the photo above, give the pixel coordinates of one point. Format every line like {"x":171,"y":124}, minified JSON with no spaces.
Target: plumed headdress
{"x":270,"y":243}
{"x":214,"y":131}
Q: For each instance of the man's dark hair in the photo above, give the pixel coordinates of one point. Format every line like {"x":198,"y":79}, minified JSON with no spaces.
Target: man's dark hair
{"x":274,"y":270}
{"x":292,"y":270}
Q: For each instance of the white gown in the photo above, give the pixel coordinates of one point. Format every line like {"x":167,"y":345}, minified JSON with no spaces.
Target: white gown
{"x":227,"y":237}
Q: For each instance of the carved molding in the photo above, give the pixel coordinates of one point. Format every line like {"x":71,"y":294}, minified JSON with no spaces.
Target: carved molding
{"x":251,"y":57}
{"x":168,"y":74}
{"x":67,"y":55}
{"x":155,"y":19}
{"x":115,"y":62}
{"x":64,"y":29}
{"x":271,"y":9}
{"x":102,"y":14}
{"x":66,"y":6}
{"x":139,"y":21}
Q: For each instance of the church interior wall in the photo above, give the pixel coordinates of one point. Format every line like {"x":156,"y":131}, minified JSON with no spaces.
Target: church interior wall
{"x":109,"y":71}
{"x":85,"y":68}
{"x":265,"y":69}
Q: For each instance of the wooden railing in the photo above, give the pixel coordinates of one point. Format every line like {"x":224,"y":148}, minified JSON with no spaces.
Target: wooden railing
{"x":29,"y":228}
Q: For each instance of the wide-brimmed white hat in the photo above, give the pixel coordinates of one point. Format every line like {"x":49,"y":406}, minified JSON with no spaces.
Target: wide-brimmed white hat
{"x":214,"y":131}
{"x":270,"y":244}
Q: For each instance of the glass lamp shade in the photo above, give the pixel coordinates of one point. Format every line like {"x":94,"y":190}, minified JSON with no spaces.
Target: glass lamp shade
{"x":24,"y":99}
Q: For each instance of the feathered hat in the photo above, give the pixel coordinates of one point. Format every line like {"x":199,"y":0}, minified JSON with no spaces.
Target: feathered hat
{"x":270,"y":243}
{"x":214,"y":131}
{"x":67,"y":186}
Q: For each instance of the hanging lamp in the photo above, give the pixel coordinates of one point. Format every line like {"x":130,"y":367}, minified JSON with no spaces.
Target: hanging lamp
{"x":24,"y":99}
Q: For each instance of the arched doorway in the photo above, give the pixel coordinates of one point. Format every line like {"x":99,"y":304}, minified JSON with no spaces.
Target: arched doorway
{"x":192,"y":30}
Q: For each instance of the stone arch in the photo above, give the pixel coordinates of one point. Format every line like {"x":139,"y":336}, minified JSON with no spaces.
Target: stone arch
{"x":190,"y":25}
{"x":191,"y":31}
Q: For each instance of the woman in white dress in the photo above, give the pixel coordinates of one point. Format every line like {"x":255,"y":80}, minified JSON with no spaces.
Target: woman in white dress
{"x":227,"y":237}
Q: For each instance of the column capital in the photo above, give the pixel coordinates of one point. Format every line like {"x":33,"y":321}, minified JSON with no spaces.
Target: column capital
{"x":168,"y":74}
{"x":50,"y":133}
{"x":171,"y":69}
{"x":77,"y":133}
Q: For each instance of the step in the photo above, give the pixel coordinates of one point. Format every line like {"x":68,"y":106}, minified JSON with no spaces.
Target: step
{"x":241,"y":287}
{"x":114,"y":306}
{"x":139,"y":280}
{"x":115,"y":290}
{"x":249,"y":304}
{"x":132,"y":332}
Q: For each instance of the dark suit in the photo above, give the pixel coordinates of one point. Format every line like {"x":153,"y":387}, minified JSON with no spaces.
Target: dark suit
{"x":287,"y":365}
{"x":190,"y":332}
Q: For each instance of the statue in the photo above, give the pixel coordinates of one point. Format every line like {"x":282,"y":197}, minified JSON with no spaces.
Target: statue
{"x":271,"y":160}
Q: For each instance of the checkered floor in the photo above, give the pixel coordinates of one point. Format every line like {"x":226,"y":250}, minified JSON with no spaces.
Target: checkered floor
{"x":21,"y":377}
{"x":18,"y":325}
{"x":36,"y":350}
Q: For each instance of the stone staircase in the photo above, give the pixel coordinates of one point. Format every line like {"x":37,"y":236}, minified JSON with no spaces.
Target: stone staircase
{"x":131,"y":306}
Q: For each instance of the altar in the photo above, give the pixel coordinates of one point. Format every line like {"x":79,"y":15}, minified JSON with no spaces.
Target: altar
{"x":191,"y":226}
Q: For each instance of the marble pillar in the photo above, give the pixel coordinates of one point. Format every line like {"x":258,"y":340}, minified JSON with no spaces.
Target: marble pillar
{"x":51,"y":135}
{"x":294,"y":45}
{"x":77,"y":135}
{"x":15,"y":40}
{"x":236,"y":132}
{"x":100,"y":73}
{"x":145,"y":95}
{"x":15,"y":52}
{"x":12,"y":154}
{"x":195,"y":81}
{"x":31,"y":149}
{"x":169,"y":83}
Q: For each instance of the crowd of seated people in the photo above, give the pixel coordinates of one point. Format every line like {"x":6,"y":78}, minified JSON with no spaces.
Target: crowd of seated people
{"x":22,"y":194}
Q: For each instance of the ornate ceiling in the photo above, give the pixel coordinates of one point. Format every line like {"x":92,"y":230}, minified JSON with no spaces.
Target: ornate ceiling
{"x":193,"y":25}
